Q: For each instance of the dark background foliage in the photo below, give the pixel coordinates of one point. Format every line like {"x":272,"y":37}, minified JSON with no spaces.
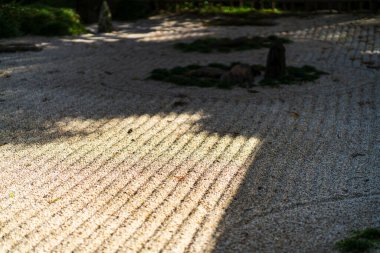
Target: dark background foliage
{"x":64,"y":17}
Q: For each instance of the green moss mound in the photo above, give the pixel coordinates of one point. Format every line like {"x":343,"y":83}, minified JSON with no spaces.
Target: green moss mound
{"x":361,"y":241}
{"x":16,"y":20}
{"x":180,"y":76}
{"x":226,"y":45}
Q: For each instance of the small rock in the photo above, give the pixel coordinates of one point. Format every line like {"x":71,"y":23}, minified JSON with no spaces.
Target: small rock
{"x":240,"y":74}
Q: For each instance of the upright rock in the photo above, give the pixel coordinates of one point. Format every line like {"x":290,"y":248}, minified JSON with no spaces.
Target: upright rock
{"x":105,"y":19}
{"x":276,"y":61}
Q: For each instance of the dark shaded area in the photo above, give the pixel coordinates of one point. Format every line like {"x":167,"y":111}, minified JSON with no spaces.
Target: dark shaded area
{"x":121,"y":9}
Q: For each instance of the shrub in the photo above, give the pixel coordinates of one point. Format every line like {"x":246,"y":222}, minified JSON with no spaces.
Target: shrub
{"x":42,"y":20}
{"x":38,"y":20}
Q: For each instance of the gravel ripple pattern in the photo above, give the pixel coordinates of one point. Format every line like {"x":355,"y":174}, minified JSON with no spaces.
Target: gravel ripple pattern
{"x":95,"y":157}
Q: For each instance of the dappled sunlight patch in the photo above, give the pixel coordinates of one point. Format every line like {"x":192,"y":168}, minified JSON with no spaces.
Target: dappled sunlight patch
{"x":371,"y":52}
{"x":205,"y":192}
{"x":11,"y":71}
{"x":29,"y":131}
{"x":181,"y":179}
{"x":153,"y":36}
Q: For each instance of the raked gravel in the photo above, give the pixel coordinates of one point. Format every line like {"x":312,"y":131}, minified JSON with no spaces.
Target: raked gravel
{"x":95,"y":157}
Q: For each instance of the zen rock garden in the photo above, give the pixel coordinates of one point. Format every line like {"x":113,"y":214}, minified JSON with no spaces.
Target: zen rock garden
{"x":189,"y":126}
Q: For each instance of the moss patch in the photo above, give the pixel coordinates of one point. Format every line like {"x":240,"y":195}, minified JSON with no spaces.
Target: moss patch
{"x":180,"y":76}
{"x":226,"y":45}
{"x":296,"y":75}
{"x":361,"y":241}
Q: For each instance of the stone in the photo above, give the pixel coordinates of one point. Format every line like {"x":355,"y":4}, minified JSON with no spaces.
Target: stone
{"x":206,"y":72}
{"x":105,"y":19}
{"x":240,"y":74}
{"x":276,"y":61}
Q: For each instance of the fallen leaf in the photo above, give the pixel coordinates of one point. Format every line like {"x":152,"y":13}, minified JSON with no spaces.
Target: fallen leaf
{"x":295,"y":115}
{"x":180,"y":178}
{"x":53,"y":200}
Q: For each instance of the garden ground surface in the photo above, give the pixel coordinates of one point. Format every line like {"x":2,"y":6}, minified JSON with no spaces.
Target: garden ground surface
{"x":93,"y":156}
